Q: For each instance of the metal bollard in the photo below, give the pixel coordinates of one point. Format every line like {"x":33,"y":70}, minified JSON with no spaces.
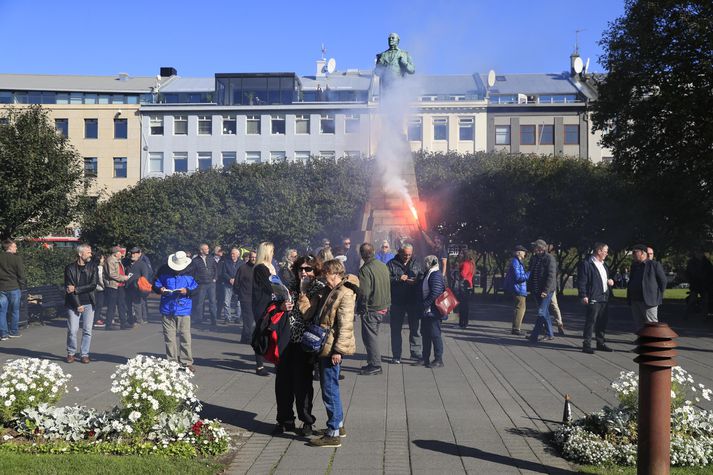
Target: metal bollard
{"x":656,"y":350}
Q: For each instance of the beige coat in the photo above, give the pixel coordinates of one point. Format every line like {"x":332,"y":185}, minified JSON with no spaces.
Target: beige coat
{"x":338,"y":315}
{"x":111,"y":274}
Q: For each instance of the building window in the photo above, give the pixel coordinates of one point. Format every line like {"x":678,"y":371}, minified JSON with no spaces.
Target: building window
{"x":5,"y":97}
{"x":121,"y":128}
{"x":91,"y":128}
{"x":302,"y":156}
{"x":180,"y":125}
{"x":252,"y":157}
{"x":327,"y":154}
{"x":276,"y":157}
{"x":88,"y":98}
{"x":326,"y":124}
{"x":466,"y":128}
{"x":205,"y":161}
{"x":118,"y":99}
{"x":91,"y":168}
{"x":62,"y":98}
{"x":62,"y":127}
{"x":527,"y":135}
{"x":352,"y":154}
{"x":229,"y":159}
{"x":156,"y":124}
{"x":277,"y":124}
{"x":253,"y":125}
{"x":205,"y":125}
{"x":180,"y":162}
{"x":502,"y":135}
{"x":351,"y":124}
{"x":440,"y":128}
{"x":547,"y":134}
{"x":156,"y":162}
{"x":415,"y":129}
{"x":120,"y":165}
{"x":302,"y":124}
{"x":571,"y":134}
{"x":230,"y":125}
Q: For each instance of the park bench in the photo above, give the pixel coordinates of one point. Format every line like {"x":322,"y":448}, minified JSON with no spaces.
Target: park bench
{"x":45,"y":301}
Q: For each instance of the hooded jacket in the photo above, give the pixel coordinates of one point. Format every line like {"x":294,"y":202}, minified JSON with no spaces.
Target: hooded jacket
{"x":337,"y":314}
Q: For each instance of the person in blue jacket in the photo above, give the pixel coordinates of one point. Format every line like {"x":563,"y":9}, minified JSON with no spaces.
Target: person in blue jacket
{"x":175,"y":284}
{"x":432,"y":287}
{"x":516,"y":284}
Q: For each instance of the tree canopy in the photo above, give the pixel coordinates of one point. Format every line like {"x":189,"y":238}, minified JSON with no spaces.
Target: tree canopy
{"x":40,"y":175}
{"x":654,"y":107}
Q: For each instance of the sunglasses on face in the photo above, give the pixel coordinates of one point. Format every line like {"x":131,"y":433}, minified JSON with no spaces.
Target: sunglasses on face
{"x":306,"y":269}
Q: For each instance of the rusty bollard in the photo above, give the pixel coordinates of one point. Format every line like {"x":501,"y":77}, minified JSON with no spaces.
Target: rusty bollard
{"x":656,"y":350}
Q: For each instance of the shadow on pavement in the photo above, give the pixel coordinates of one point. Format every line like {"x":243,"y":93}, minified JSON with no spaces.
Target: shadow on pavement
{"x":235,"y":417}
{"x":450,"y":448}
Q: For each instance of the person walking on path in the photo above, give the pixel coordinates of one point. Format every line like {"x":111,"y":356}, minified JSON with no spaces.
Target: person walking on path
{"x":543,"y":283}
{"x":595,"y":286}
{"x":433,"y":285}
{"x":12,"y":282}
{"x":405,"y":274}
{"x":205,"y":272}
{"x":516,"y":284}
{"x":175,"y":284}
{"x":80,"y":281}
{"x":373,"y":304}
{"x":464,"y":286}
{"x":337,"y":317}
{"x":243,"y":286}
{"x":114,"y":287}
{"x":647,"y":284}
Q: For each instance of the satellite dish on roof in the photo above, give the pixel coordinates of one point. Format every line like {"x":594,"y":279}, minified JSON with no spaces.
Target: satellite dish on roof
{"x":331,"y":66}
{"x":578,"y":65}
{"x":586,"y":66}
{"x":491,"y":78}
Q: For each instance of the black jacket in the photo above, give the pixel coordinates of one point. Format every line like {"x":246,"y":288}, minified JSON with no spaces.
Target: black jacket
{"x":229,"y":269}
{"x":204,"y":273}
{"x":243,"y":285}
{"x":71,"y":277}
{"x":653,"y":283}
{"x":543,"y":274}
{"x":138,"y":269}
{"x":403,"y":293}
{"x":262,"y":290}
{"x":589,"y":281}
{"x":12,"y":272}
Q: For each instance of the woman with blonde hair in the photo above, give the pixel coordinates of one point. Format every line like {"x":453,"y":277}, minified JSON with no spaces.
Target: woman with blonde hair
{"x":262,"y":290}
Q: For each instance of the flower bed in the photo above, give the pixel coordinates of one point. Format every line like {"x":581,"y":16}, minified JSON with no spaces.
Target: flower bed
{"x":158,"y":412}
{"x":610,"y":436}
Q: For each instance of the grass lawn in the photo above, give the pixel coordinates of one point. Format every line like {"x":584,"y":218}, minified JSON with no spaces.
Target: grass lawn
{"x":669,"y":294}
{"x":632,"y":470}
{"x":91,"y":464}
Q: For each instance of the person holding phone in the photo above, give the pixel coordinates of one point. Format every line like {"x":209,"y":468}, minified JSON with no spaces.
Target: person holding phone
{"x":175,"y":284}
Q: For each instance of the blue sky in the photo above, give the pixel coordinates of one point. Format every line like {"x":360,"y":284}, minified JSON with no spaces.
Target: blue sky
{"x":202,"y":38}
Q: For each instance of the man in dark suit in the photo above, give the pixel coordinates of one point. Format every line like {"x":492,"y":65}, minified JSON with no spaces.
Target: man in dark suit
{"x":646,"y":287}
{"x":594,"y":290}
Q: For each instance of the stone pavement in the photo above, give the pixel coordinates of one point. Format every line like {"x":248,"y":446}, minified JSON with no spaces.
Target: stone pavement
{"x":488,"y":411}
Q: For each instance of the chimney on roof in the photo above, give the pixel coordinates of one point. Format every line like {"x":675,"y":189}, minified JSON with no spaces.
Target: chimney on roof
{"x":167,"y":72}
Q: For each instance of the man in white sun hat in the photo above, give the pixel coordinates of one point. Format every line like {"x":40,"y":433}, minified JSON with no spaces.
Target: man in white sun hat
{"x":175,"y":284}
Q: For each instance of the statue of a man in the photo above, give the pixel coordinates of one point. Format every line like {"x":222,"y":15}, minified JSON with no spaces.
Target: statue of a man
{"x":394,"y":63}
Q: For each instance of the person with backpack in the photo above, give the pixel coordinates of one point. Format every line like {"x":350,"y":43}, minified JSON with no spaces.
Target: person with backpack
{"x":176,"y":285}
{"x":516,"y":284}
{"x":337,"y":317}
{"x":137,"y":293}
{"x":262,"y":291}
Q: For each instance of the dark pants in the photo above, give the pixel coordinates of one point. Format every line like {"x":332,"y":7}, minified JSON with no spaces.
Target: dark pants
{"x":114,"y":298}
{"x":463,"y":308}
{"x":431,"y":329}
{"x":544,"y":320}
{"x":99,"y":304}
{"x":397,"y":315}
{"x":219,"y":297}
{"x":246,"y":334}
{"x":138,"y":306}
{"x":293,"y":385}
{"x":596,"y":320}
{"x":370,"y":322}
{"x":205,"y":290}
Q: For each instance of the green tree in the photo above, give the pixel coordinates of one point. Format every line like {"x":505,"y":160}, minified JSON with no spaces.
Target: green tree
{"x":40,"y":175}
{"x":654,"y":107}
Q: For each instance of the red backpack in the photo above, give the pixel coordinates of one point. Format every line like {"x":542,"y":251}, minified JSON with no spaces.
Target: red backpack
{"x":271,"y":334}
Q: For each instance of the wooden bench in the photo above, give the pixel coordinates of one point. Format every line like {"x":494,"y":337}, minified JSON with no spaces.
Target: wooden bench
{"x":43,"y":301}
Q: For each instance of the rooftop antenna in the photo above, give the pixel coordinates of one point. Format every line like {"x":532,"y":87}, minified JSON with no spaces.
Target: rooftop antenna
{"x":586,"y":66}
{"x":576,"y":39}
{"x":324,"y":52}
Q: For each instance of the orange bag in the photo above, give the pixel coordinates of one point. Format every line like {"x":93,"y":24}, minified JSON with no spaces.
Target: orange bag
{"x":144,"y":285}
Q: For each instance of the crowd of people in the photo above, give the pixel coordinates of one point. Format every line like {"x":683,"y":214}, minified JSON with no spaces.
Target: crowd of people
{"x":329,"y":288}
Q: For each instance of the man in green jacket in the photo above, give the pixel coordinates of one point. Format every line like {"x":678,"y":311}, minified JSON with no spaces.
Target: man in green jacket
{"x":12,"y":281}
{"x":373,"y":303}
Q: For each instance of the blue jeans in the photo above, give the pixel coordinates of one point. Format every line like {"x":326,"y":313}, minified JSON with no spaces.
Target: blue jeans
{"x":544,"y":321}
{"x":73,"y":317}
{"x":329,"y":380}
{"x":431,"y":331}
{"x":227,"y":303}
{"x":10,"y":300}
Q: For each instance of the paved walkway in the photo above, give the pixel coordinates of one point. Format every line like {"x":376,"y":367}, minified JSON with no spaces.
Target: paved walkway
{"x":487,"y":411}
